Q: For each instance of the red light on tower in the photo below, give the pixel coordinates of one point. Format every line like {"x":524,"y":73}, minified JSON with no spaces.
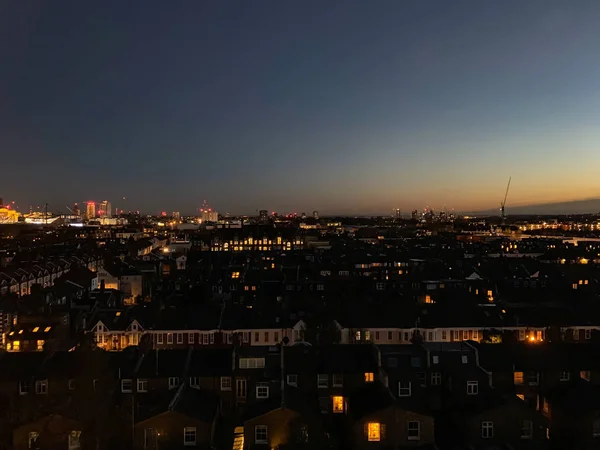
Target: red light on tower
{"x":164,"y":213}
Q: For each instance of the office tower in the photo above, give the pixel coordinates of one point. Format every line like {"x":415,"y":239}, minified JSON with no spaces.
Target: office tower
{"x":90,"y":210}
{"x":76,"y":210}
{"x":397,"y":214}
{"x":104,"y":209}
{"x":263,"y":214}
{"x":316,"y":215}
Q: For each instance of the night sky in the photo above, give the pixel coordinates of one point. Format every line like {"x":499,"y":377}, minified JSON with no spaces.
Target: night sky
{"x":343,"y":106}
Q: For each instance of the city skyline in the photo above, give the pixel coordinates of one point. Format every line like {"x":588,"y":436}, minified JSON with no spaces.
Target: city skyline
{"x":371,"y":107}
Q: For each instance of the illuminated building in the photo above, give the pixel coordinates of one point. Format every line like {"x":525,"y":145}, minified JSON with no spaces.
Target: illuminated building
{"x":76,"y":210}
{"x":208,"y":215}
{"x":263,"y":215}
{"x":104,"y":209}
{"x":397,"y":214}
{"x":316,"y":215}
{"x":90,"y":211}
{"x":7,"y":215}
{"x":176,"y":215}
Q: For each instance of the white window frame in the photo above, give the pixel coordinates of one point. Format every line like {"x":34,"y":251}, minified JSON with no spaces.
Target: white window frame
{"x":142,"y":385}
{"x":41,"y":387}
{"x":191,"y":339}
{"x":533,"y":378}
{"x":169,"y":338}
{"x":464,"y":359}
{"x":565,"y":375}
{"x":436,"y":378}
{"x":404,"y":388}
{"x":528,"y":428}
{"x":292,"y":379}
{"x":173,"y":382}
{"x":262,"y":390}
{"x":487,"y":429}
{"x":435,"y":359}
{"x":179,"y":338}
{"x":195,"y":382}
{"x":204,"y":338}
{"x":322,"y":381}
{"x":160,"y":338}
{"x":472,"y":387}
{"x":24,"y":387}
{"x":225,"y":383}
{"x":338,"y":380}
{"x":588,"y":334}
{"x":259,"y":430}
{"x":190,"y":436}
{"x":124,"y":389}
{"x":418,"y":429}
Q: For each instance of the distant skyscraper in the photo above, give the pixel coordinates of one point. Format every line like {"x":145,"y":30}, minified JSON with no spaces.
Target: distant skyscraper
{"x":90,"y":210}
{"x":397,"y":214}
{"x":303,"y":215}
{"x":263,"y":214}
{"x":208,"y":215}
{"x":414,"y":215}
{"x":76,"y":210}
{"x":105,"y":209}
{"x":176,"y":215}
{"x":316,"y":215}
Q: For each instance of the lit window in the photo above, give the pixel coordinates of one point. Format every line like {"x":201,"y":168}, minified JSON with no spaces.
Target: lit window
{"x":338,"y":404}
{"x":33,"y":439}
{"x":358,"y":335}
{"x":521,"y":397}
{"x":367,"y":335}
{"x":75,"y":440}
{"x":369,"y":377}
{"x":36,"y":329}
{"x":487,"y":430}
{"x":585,"y":375}
{"x":16,"y":346}
{"x":189,"y":436}
{"x":374,"y":432}
{"x":47,"y":329}
{"x":414,"y":430}
{"x":518,"y":378}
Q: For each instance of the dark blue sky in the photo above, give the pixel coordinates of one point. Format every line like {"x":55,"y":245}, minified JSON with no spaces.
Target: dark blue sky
{"x":341,"y":106}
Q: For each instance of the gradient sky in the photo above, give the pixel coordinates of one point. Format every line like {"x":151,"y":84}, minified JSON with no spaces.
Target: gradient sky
{"x":349,"y":106}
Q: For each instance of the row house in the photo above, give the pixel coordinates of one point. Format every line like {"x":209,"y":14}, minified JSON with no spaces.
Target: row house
{"x":20,"y":280}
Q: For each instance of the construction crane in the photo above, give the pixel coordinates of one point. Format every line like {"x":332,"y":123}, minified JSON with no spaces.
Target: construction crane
{"x":503,"y":204}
